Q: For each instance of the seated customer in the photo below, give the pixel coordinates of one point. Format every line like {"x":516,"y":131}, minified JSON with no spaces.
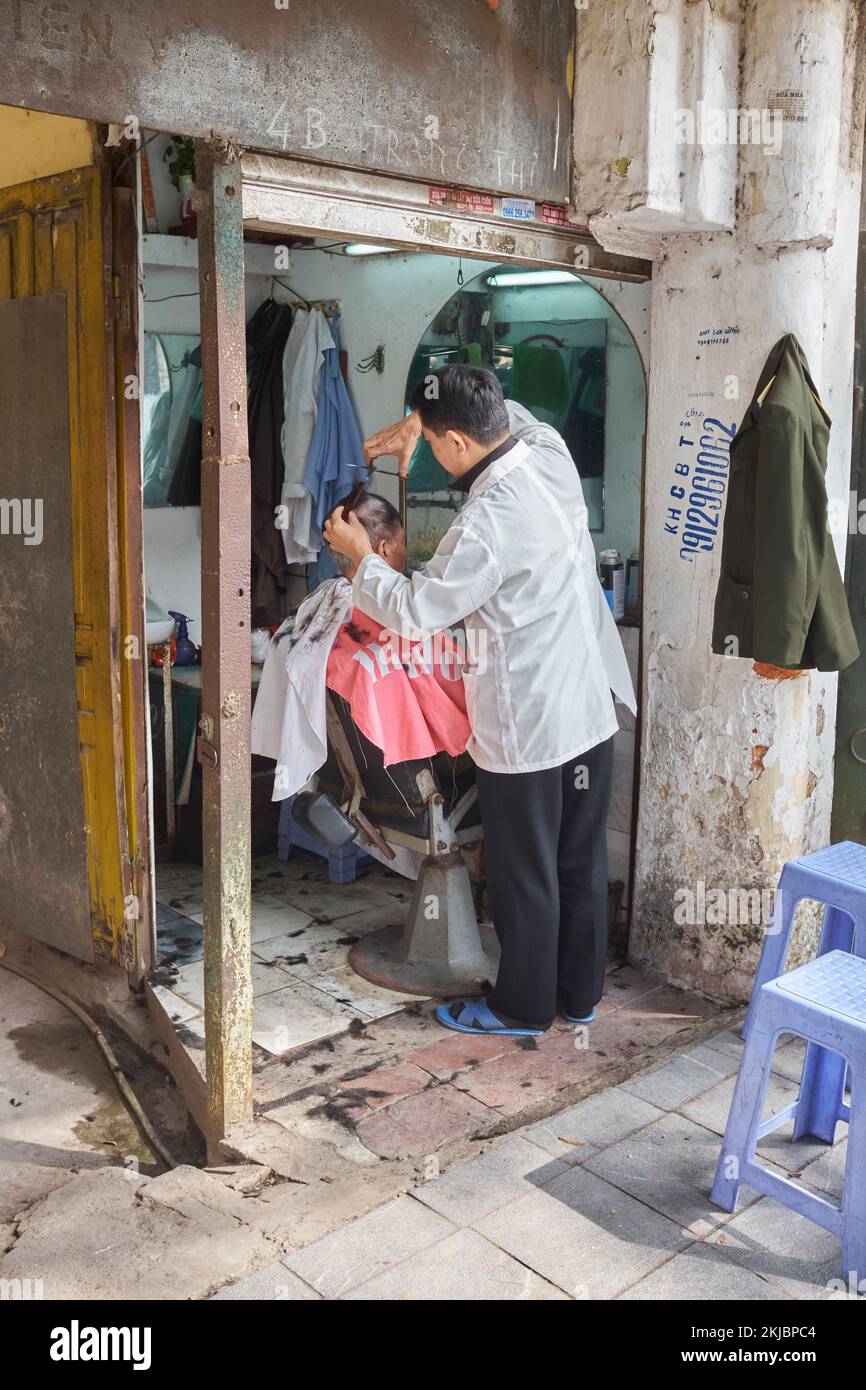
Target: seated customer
{"x":408,"y":702}
{"x":407,"y":698}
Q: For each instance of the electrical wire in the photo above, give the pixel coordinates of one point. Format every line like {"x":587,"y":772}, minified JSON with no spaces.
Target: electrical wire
{"x":136,"y":149}
{"x":102,"y":1043}
{"x":275,"y":279}
{"x":189,"y":294}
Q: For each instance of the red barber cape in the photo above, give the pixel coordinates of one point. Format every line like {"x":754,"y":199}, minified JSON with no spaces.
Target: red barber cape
{"x":406,"y":697}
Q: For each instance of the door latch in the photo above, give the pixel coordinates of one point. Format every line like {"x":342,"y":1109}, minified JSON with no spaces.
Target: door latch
{"x":204,"y":749}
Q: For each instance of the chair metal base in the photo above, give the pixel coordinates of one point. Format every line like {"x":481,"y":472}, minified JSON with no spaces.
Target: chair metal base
{"x":440,"y":950}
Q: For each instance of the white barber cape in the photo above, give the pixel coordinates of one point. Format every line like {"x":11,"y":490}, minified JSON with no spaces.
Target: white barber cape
{"x":289,"y":717}
{"x":518,"y":565}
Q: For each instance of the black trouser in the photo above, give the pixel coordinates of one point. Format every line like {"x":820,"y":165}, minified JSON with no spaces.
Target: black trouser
{"x":545,"y":839}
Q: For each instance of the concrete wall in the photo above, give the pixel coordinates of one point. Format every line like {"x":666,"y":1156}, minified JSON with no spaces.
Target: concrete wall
{"x":737,"y":760}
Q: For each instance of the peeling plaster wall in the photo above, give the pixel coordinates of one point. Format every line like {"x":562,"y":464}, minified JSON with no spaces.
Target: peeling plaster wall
{"x":737,"y":765}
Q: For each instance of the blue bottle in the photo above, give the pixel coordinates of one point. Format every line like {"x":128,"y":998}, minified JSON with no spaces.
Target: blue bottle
{"x":184,"y":648}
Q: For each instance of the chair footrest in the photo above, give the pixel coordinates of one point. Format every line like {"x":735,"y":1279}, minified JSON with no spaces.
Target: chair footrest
{"x":776,"y":1121}
{"x":795,"y":1197}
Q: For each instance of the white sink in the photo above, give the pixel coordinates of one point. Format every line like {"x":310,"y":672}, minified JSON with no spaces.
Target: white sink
{"x":159,"y":625}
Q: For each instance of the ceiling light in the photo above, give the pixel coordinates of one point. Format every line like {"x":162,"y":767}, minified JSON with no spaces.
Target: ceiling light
{"x":504,"y":278}
{"x":366,"y":248}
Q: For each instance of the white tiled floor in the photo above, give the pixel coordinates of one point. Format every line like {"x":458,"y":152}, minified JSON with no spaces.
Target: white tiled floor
{"x":303,"y":927}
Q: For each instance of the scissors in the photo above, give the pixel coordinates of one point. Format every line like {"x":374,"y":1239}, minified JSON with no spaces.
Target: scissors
{"x":360,"y":488}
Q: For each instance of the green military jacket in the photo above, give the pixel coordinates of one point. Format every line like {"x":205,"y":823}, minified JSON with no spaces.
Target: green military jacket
{"x":780,"y":592}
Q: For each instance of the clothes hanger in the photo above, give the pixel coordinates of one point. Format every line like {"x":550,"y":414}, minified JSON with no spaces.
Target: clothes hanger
{"x":290,"y":290}
{"x":814,"y":394}
{"x":547,"y":336}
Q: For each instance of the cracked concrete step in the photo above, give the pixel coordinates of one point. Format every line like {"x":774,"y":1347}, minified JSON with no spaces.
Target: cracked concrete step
{"x":113,"y":1234}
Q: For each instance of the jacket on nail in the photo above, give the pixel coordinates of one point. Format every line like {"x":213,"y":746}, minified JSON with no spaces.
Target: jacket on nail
{"x":780,"y":597}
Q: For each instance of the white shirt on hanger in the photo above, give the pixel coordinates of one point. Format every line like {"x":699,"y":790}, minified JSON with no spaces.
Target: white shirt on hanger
{"x":303,"y":357}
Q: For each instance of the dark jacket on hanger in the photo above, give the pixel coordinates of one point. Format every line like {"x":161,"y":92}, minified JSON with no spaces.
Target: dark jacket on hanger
{"x":780,"y":592}
{"x":267,"y":332}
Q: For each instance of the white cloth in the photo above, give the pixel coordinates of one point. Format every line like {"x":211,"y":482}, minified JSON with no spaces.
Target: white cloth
{"x":289,"y":717}
{"x":303,"y":356}
{"x":518,"y":565}
{"x":289,"y":721}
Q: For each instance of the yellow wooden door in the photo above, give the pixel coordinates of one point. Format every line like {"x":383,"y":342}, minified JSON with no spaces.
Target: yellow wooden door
{"x":55,"y":237}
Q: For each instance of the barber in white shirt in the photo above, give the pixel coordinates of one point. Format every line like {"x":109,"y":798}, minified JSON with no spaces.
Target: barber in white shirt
{"x":518,"y":566}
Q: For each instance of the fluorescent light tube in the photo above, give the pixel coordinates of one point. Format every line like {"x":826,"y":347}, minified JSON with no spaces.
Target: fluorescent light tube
{"x":504,"y":278}
{"x":366,"y":248}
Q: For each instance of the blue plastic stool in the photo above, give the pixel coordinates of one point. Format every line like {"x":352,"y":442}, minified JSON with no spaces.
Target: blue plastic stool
{"x":343,"y":863}
{"x":836,"y":877}
{"x":825,"y":1002}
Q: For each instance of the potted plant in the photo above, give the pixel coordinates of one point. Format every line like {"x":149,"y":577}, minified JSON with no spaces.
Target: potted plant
{"x":179,"y":155}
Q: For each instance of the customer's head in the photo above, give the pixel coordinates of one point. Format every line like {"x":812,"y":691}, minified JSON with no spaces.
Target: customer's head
{"x":463,"y":415}
{"x":382,"y":523}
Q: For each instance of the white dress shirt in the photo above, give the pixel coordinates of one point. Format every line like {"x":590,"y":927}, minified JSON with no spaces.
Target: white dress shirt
{"x":518,"y":566}
{"x":303,"y":357}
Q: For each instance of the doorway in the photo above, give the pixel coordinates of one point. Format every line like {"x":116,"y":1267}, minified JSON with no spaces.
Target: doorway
{"x":388,"y":307}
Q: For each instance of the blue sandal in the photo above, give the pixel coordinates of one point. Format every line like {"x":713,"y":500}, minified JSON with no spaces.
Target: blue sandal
{"x":473,"y":1016}
{"x":572,"y":1018}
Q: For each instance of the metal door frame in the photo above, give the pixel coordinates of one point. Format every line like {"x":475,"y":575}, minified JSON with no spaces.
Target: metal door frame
{"x":277,"y":194}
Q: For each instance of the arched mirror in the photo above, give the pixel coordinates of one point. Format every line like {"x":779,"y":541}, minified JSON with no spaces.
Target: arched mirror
{"x":172,"y":384}
{"x":559,"y":348}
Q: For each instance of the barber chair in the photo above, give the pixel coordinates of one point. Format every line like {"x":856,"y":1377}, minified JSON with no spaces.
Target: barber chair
{"x":431,"y":808}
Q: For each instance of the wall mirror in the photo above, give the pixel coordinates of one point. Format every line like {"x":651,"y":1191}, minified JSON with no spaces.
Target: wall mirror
{"x":559,"y":348}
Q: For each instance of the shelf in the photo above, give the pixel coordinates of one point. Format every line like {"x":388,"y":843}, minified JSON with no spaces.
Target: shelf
{"x":162,"y":252}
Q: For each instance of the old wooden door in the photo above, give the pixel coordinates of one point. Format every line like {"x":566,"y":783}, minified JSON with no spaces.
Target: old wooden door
{"x":70,"y":874}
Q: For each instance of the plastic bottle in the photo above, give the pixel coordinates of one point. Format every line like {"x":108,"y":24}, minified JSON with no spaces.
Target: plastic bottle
{"x":185,"y":650}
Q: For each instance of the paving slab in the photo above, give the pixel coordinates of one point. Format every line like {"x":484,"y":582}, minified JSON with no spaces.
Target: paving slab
{"x":669,"y":1166}
{"x":511,"y":1167}
{"x":624,"y":985}
{"x":447,"y":1055}
{"x":510,"y":1084}
{"x":704,"y":1274}
{"x":587,"y":1237}
{"x":462,"y":1268}
{"x":788,"y":1059}
{"x":366,"y":1248}
{"x":827,"y":1173}
{"x":722,"y":1063}
{"x":580,"y":1131}
{"x":298,"y":1013}
{"x":421,"y":1124}
{"x":674,"y":1083}
{"x":711,"y":1110}
{"x":326,"y":901}
{"x":783,"y":1246}
{"x":728,"y":1041}
{"x":384,"y":1085}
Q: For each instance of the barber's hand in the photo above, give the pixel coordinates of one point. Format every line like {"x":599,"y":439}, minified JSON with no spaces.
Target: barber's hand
{"x":347,"y":537}
{"x":397,"y":440}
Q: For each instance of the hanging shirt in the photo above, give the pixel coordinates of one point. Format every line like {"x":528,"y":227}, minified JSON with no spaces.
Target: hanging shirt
{"x":336,"y":458}
{"x":407,"y":698}
{"x":303,"y":359}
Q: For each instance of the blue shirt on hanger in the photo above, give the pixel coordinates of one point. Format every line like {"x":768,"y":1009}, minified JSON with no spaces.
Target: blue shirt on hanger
{"x":336,"y":458}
